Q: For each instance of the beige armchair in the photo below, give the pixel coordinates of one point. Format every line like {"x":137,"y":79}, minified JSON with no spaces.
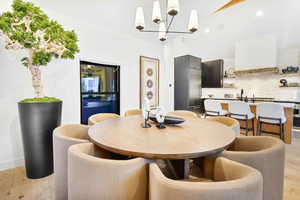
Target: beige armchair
{"x":93,"y":175}
{"x":63,"y":137}
{"x":133,"y":112}
{"x":223,"y":179}
{"x":233,"y":123}
{"x":182,"y":113}
{"x":101,"y":117}
{"x":266,"y":154}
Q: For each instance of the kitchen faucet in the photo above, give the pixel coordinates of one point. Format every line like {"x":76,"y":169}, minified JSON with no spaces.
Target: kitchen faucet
{"x":242,"y":92}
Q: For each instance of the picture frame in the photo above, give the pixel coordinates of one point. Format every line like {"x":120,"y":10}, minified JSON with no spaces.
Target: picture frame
{"x":149,"y":80}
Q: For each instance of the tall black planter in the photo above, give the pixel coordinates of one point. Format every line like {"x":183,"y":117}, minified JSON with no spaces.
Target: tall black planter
{"x":38,"y":120}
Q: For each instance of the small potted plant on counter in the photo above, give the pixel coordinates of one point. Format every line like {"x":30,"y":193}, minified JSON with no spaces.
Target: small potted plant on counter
{"x":29,"y":29}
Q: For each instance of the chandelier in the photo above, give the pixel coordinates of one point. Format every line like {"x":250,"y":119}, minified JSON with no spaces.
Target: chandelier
{"x":166,"y":23}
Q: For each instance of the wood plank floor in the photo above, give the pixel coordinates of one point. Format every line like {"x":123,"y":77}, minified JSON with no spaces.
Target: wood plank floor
{"x":15,"y":186}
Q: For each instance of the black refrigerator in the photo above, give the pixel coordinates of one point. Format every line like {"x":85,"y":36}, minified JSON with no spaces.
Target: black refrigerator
{"x":187,"y":83}
{"x":99,"y":85}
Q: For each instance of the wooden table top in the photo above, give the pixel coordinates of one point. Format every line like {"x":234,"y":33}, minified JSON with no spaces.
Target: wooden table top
{"x":194,"y":138}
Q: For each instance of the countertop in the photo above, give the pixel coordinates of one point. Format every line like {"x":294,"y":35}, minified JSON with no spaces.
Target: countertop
{"x":290,"y":104}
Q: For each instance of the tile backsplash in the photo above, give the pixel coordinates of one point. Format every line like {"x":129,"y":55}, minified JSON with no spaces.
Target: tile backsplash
{"x":261,"y":85}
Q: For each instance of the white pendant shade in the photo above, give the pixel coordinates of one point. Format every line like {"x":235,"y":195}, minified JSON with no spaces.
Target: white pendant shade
{"x":193,"y":23}
{"x":163,"y":21}
{"x":139,"y":19}
{"x":162,"y":35}
{"x":173,"y":7}
{"x":156,"y":15}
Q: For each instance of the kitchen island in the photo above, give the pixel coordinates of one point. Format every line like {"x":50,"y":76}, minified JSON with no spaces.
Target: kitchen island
{"x":289,"y":114}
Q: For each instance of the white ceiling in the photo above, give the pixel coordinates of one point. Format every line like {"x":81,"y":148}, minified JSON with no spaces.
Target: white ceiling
{"x":281,"y":17}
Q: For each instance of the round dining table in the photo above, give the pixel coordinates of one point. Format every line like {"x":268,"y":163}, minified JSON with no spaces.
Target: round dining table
{"x":194,"y":138}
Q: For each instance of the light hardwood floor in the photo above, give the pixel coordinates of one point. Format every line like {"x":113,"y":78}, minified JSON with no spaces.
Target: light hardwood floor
{"x":14,"y":185}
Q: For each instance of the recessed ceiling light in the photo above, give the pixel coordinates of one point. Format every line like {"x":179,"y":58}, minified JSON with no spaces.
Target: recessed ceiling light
{"x":207,"y":30}
{"x":259,"y":13}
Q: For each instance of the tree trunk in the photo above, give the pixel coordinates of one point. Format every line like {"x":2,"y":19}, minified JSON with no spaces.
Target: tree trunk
{"x":37,"y":81}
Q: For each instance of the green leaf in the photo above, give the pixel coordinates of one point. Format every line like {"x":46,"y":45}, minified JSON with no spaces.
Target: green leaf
{"x":55,"y":34}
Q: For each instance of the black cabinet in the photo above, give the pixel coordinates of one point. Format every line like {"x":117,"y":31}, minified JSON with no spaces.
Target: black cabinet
{"x":212,"y":74}
{"x":187,"y":83}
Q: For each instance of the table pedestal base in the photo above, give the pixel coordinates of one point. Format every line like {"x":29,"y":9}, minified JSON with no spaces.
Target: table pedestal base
{"x":180,"y":169}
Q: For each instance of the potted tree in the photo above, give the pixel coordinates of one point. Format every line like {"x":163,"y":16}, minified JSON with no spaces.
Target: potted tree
{"x":29,"y":29}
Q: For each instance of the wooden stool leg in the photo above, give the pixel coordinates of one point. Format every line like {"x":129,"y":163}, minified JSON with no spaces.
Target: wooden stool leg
{"x":247,"y":129}
{"x":283,"y":138}
{"x":253,"y":128}
{"x":258,"y":128}
{"x":281,"y":131}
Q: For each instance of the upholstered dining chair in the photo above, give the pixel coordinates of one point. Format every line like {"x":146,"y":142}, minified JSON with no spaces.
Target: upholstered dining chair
{"x":182,"y":113}
{"x":94,"y":175}
{"x":63,"y":137}
{"x":101,"y":117}
{"x":233,"y":123}
{"x":133,"y":112}
{"x":222,"y":179}
{"x":266,"y":154}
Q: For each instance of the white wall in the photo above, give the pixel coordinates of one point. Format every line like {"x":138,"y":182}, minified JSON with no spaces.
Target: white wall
{"x":61,"y":79}
{"x":258,"y":52}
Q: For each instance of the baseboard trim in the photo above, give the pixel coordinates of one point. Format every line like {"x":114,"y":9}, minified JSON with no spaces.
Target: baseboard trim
{"x":9,"y":164}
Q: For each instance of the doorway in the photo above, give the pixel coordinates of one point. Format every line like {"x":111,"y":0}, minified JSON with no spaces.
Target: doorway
{"x":99,"y":86}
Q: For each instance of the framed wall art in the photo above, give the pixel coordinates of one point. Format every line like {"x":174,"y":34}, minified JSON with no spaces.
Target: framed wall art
{"x":149,"y":80}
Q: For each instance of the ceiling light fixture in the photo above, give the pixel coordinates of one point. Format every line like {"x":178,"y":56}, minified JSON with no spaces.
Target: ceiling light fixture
{"x":259,"y":13}
{"x":165,"y":24}
{"x":207,"y":30}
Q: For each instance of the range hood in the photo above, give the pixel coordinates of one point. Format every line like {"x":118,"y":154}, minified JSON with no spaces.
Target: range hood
{"x":256,"y":53}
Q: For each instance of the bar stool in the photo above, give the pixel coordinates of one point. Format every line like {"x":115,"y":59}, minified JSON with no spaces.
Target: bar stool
{"x":241,"y":111}
{"x":214,"y":108}
{"x":273,"y":114}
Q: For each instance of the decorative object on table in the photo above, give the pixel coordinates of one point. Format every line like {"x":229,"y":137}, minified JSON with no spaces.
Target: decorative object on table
{"x":169,"y":120}
{"x":283,"y":82}
{"x":29,"y":29}
{"x":165,"y":23}
{"x":160,"y":118}
{"x":146,"y":112}
{"x":149,"y":81}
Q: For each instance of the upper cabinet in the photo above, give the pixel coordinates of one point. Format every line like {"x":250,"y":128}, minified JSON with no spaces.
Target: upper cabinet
{"x":255,"y":53}
{"x":212,"y":74}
